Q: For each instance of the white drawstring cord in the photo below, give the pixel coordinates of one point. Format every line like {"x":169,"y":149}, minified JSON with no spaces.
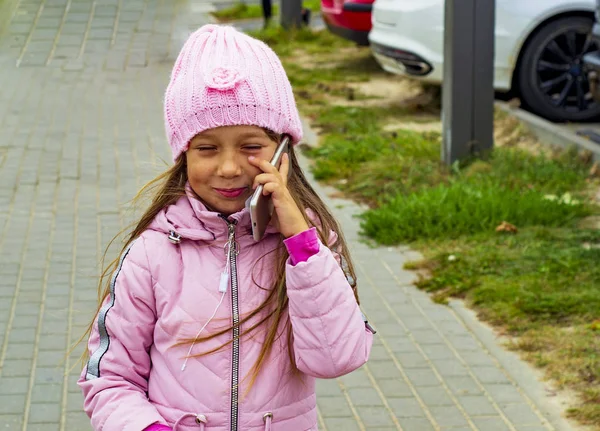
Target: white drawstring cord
{"x":199,"y":419}
{"x":268,"y":418}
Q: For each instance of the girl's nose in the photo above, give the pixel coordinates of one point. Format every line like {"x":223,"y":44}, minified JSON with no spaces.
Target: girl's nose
{"x":230,"y":167}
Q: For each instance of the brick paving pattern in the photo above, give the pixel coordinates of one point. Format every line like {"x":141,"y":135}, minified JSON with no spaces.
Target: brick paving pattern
{"x":81,"y":129}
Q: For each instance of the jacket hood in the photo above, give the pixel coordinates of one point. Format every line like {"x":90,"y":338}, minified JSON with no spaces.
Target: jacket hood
{"x":189,"y":218}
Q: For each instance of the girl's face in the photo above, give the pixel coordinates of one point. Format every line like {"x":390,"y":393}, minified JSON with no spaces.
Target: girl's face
{"x":217,"y":165}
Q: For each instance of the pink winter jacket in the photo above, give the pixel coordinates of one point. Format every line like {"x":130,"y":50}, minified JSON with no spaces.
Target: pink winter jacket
{"x":166,"y":288}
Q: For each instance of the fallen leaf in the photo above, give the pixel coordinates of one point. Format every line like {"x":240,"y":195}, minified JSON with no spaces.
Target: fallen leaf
{"x":514,"y":103}
{"x":506,"y":227}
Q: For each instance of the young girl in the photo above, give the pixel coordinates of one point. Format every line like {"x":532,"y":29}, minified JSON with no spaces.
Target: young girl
{"x":201,"y":327}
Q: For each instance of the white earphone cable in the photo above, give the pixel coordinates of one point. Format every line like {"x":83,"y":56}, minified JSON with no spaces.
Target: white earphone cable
{"x":202,"y":329}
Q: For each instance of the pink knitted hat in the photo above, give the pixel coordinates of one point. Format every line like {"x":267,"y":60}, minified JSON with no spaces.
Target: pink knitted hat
{"x":223,"y":77}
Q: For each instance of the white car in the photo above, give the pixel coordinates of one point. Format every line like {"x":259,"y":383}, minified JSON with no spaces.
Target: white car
{"x":538,"y":52}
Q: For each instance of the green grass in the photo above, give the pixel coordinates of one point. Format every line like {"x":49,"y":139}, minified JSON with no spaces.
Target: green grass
{"x":540,"y":283}
{"x":539,"y":276}
{"x":242,"y":10}
{"x":313,"y":5}
{"x":414,"y":197}
{"x":461,"y":208}
{"x":284,"y":42}
{"x":355,"y":149}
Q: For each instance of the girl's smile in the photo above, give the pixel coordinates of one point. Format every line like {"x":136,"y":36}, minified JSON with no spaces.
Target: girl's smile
{"x":232,"y":193}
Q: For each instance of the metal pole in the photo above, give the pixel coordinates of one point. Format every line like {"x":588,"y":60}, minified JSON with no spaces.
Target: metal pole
{"x":291,"y":14}
{"x":468,"y":87}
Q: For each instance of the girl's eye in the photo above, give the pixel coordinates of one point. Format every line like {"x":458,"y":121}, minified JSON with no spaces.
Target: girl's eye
{"x":205,"y":148}
{"x":253,"y":147}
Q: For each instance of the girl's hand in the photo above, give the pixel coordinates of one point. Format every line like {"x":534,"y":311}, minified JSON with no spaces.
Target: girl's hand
{"x":287,"y":217}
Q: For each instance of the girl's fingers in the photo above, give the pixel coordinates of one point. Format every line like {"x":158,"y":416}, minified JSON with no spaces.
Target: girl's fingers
{"x":264,"y":179}
{"x":271,"y":178}
{"x":285,"y":168}
{"x":263,"y":165}
{"x":270,"y":188}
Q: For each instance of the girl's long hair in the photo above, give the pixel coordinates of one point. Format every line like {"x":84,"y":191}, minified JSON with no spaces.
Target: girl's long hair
{"x":168,"y":187}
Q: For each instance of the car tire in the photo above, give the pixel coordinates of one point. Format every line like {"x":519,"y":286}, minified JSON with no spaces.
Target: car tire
{"x":549,"y":84}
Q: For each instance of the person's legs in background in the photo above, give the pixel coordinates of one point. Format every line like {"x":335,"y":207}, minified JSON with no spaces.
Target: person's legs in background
{"x":267,"y":8}
{"x":306,"y":16}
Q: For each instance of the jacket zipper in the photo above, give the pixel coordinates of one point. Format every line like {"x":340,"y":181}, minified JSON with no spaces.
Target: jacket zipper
{"x":233,"y":246}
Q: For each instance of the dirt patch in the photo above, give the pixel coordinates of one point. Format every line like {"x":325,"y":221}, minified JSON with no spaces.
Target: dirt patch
{"x":510,"y":132}
{"x":310,"y":60}
{"x":415,"y":126}
{"x":390,"y":90}
{"x":591,"y":222}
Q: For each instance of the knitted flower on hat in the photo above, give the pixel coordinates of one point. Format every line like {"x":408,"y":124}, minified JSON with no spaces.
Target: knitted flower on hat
{"x":223,"y":77}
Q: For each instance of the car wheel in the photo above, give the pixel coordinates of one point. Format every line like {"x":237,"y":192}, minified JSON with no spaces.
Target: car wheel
{"x":553,"y":81}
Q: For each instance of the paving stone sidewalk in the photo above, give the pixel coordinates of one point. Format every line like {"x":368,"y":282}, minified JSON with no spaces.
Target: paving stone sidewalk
{"x":81,"y":129}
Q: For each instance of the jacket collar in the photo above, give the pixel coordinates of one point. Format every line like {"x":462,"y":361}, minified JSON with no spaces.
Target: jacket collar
{"x":189,"y":218}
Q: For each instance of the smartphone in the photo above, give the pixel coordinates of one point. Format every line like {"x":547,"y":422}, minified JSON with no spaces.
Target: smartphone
{"x":261,"y":206}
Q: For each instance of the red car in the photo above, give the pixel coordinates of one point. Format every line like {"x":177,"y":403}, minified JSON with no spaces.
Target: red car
{"x":350,"y":19}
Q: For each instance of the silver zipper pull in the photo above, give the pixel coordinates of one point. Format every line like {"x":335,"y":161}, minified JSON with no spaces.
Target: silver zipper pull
{"x":230,"y":247}
{"x":174,"y":237}
{"x":367,"y":324}
{"x":231,"y":234}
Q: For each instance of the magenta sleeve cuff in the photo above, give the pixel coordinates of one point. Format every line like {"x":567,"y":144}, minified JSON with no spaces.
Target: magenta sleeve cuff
{"x":302,"y":246}
{"x":158,"y":427}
